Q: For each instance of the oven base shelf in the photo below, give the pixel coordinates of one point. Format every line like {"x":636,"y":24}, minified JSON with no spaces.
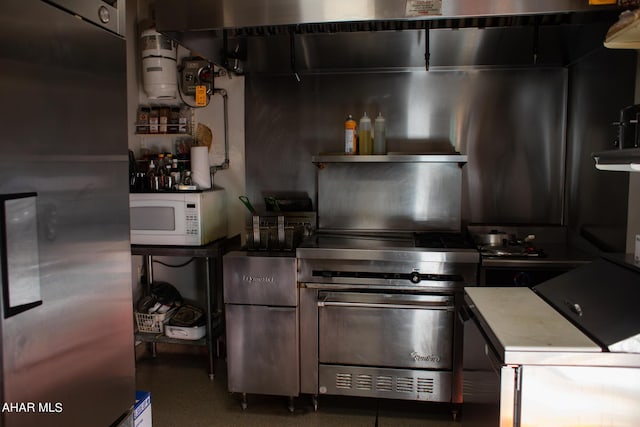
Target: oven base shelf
{"x":389,"y":383}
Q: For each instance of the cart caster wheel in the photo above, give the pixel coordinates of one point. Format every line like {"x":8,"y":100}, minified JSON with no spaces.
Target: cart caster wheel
{"x":243,"y":401}
{"x":290,"y":405}
{"x":314,"y":402}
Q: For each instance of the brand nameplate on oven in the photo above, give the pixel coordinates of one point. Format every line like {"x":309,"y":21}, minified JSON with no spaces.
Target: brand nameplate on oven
{"x":258,"y":279}
{"x":422,"y":358}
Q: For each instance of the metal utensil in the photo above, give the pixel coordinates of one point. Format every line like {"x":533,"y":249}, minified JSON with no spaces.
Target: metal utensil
{"x":272,"y":202}
{"x":493,"y":238}
{"x":247,"y":203}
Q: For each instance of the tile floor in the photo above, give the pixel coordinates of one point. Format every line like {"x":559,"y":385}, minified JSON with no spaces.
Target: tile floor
{"x":183,"y":396}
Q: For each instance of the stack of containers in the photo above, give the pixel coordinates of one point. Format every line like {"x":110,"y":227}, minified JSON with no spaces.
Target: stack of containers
{"x":363,"y":139}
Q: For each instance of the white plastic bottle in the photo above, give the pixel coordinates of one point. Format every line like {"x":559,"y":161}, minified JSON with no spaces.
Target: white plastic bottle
{"x":365,"y":142}
{"x":380,"y":135}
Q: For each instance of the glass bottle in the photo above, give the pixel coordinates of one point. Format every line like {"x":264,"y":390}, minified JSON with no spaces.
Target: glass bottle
{"x":175,"y":171}
{"x":161,"y":173}
{"x":152,"y":178}
{"x":168,"y":178}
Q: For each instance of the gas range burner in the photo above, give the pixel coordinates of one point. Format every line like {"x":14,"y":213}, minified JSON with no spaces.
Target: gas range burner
{"x":442,"y":240}
{"x":511,"y":250}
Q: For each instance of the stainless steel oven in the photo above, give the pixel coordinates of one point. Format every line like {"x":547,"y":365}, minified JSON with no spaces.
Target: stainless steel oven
{"x":386,"y":336}
{"x":378,"y":317}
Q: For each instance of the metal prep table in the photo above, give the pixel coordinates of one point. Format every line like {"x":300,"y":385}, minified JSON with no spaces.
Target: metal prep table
{"x":212,"y":253}
{"x":565,"y":353}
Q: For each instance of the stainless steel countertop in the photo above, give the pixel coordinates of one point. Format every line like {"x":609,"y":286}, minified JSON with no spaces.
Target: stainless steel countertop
{"x":561,"y":248}
{"x":558,"y":255}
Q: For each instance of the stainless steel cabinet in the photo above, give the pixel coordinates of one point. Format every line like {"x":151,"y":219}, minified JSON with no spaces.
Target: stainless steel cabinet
{"x":261,"y":313}
{"x":262,"y":349}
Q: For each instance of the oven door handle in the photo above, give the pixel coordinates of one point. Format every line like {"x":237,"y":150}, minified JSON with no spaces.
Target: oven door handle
{"x":324,"y":303}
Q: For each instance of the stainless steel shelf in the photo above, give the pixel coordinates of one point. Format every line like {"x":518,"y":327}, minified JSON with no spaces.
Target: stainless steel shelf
{"x":391,"y":158}
{"x":626,"y":160}
{"x":216,"y":329}
{"x":159,"y":338}
{"x":212,"y":254}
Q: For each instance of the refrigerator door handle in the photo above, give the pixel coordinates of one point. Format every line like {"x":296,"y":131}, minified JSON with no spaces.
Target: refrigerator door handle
{"x":19,"y":258}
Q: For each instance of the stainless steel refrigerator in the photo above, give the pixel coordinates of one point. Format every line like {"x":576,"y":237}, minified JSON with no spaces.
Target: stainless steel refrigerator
{"x":67,"y":324}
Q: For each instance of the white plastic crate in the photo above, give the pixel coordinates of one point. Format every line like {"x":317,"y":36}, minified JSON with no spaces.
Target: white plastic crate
{"x":153,"y":323}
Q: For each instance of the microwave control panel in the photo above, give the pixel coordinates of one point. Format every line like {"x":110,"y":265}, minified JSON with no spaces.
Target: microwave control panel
{"x":192,"y":225}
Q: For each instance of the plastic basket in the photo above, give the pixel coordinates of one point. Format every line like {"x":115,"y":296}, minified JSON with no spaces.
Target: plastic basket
{"x":153,"y":323}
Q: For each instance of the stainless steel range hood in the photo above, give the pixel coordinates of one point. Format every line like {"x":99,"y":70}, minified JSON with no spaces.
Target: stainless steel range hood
{"x":180,"y":15}
{"x":310,"y":35}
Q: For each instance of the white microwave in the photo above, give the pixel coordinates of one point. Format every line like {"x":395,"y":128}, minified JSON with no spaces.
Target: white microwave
{"x":185,"y":219}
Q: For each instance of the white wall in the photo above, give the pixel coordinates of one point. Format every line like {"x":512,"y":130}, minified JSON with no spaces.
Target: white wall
{"x":232,"y":179}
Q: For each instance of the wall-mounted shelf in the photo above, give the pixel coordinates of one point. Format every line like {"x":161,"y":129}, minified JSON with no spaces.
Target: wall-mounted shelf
{"x":626,"y":160}
{"x":156,"y":120}
{"x":391,"y":158}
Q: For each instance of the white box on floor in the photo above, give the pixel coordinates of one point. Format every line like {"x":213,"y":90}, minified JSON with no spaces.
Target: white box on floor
{"x":142,"y":409}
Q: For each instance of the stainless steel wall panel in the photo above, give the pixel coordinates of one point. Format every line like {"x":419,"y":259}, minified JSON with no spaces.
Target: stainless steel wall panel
{"x":601,"y":84}
{"x":389,"y":196}
{"x":515,"y":140}
{"x":510,"y":122}
{"x":398,"y":50}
